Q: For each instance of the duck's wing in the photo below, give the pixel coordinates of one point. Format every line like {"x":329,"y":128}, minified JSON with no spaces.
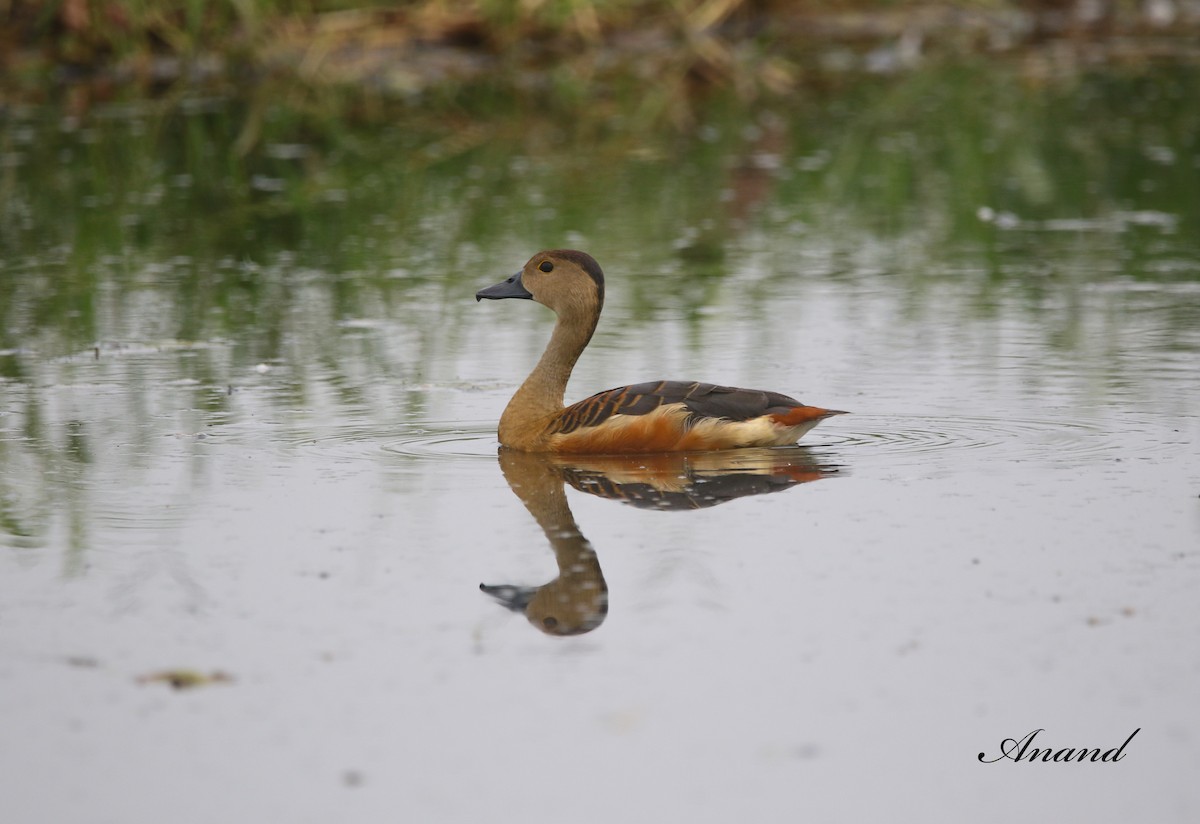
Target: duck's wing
{"x":702,"y":400}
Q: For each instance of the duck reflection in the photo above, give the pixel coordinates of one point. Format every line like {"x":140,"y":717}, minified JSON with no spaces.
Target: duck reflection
{"x":576,"y":601}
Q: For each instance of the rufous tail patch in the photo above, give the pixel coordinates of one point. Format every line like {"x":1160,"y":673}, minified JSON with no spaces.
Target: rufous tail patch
{"x":804,"y":414}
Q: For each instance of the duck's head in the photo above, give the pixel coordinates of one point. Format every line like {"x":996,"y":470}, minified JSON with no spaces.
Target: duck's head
{"x":567,"y":281}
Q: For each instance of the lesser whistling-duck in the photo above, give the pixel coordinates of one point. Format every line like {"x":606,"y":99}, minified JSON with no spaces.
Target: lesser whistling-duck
{"x":658,"y":416}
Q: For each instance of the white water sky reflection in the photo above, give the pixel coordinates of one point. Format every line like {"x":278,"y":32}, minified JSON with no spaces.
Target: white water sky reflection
{"x":1010,"y":543}
{"x":303,"y":493}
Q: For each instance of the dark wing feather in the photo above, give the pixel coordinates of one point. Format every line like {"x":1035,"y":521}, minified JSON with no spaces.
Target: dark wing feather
{"x":703,"y":400}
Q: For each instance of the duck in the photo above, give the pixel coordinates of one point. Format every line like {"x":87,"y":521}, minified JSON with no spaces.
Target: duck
{"x":650,"y":417}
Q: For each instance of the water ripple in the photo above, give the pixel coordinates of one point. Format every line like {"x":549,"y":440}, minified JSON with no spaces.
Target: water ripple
{"x":1132,"y":435}
{"x":445,"y":439}
{"x":1017,"y":438}
{"x":365,"y":440}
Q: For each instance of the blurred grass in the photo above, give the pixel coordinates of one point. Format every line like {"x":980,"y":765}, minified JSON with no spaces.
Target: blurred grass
{"x":170,"y":192}
{"x":569,"y":47}
{"x":260,"y":227}
{"x":206,"y":192}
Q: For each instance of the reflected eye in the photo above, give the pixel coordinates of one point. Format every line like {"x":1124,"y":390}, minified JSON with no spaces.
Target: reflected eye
{"x":546,"y":266}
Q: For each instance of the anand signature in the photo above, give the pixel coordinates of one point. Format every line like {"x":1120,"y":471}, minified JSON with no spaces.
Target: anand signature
{"x":1022,"y":749}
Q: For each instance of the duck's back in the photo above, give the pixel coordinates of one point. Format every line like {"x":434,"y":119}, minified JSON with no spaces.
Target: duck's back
{"x":670,"y":416}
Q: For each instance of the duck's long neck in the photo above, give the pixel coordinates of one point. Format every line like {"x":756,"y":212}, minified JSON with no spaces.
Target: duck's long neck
{"x":541,"y":395}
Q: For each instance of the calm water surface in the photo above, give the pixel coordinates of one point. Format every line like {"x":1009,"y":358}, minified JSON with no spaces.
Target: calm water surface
{"x":247,"y":408}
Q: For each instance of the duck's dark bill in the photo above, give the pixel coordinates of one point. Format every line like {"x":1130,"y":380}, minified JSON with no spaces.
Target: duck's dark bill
{"x":515,"y":598}
{"x":511,"y":288}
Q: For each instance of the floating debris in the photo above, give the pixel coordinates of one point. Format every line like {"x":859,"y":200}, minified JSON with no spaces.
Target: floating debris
{"x":182,"y":679}
{"x":82,"y":661}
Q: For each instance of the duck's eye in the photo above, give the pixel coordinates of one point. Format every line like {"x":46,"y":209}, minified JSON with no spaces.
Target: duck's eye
{"x":546,"y":266}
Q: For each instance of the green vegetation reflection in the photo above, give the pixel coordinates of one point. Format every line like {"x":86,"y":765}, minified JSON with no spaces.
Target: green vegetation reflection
{"x":238,"y":232}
